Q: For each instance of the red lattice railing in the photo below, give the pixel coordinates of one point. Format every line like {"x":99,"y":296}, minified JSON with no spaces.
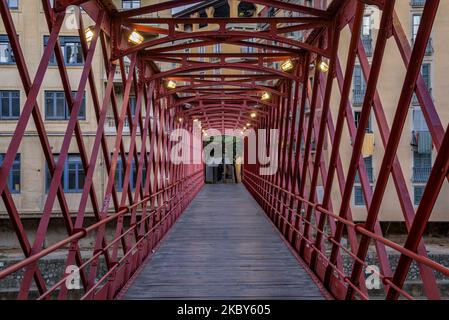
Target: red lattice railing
{"x":319,"y":229}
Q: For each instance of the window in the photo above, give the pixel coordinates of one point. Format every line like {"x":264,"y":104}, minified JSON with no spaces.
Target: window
{"x":369,"y":170}
{"x":422,"y":160}
{"x":56,"y":107}
{"x":359,"y":199}
{"x":9,"y":104}
{"x":6,"y":54}
{"x":419,"y":123}
{"x":366,"y":26}
{"x":201,"y":50}
{"x":248,"y":49}
{"x":271,"y":12}
{"x":203,"y":14}
{"x":14,"y":174}
{"x":246,"y":9}
{"x":425,"y":72}
{"x":130,"y":4}
{"x":120,"y":174}
{"x":416,"y":21}
{"x":366,"y":35}
{"x":71,"y":50}
{"x":13,"y":4}
{"x":359,"y":86}
{"x":359,"y":80}
{"x":418,"y":193}
{"x":72,"y":179}
{"x":222,"y":11}
{"x":422,"y":166}
{"x":132,"y":105}
{"x":357,"y":115}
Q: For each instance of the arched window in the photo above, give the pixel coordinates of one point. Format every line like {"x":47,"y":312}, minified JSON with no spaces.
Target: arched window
{"x":222,"y":10}
{"x":246,"y":9}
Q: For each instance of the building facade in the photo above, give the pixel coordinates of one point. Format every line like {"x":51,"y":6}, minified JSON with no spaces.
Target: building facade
{"x":29,"y":176}
{"x":416,"y":151}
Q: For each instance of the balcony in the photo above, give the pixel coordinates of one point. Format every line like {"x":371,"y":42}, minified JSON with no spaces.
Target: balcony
{"x":110,"y":125}
{"x":368,"y":45}
{"x":415,"y":101}
{"x":358,"y":97}
{"x":422,"y":142}
{"x":429,"y":48}
{"x":417,"y":3}
{"x":421,"y":174}
{"x":118,"y":74}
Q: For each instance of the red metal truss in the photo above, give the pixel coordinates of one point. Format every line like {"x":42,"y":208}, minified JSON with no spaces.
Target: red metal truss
{"x":290,"y":199}
{"x":223,"y":91}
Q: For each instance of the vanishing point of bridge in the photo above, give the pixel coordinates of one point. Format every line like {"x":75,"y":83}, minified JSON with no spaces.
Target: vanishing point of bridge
{"x":164,"y":233}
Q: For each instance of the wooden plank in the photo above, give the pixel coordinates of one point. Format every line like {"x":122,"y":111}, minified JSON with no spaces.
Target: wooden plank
{"x":223,"y":247}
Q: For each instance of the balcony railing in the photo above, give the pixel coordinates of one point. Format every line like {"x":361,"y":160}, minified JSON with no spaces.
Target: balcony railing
{"x":118,"y":73}
{"x":415,"y":101}
{"x":417,"y":3}
{"x":368,"y":45}
{"x":110,"y":125}
{"x":358,"y":97}
{"x":421,"y":174}
{"x":429,"y":47}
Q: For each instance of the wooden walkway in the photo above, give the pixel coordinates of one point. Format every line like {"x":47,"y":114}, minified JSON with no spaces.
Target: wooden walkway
{"x":223,"y":247}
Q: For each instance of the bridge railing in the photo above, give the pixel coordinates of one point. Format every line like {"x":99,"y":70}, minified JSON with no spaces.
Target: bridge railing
{"x":113,"y":218}
{"x":342,"y":242}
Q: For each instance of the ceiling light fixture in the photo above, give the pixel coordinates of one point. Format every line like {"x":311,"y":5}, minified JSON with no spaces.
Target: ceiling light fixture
{"x":265,"y":96}
{"x":287,"y":65}
{"x":171,"y":84}
{"x":89,"y":34}
{"x":135,"y":37}
{"x":323,"y":66}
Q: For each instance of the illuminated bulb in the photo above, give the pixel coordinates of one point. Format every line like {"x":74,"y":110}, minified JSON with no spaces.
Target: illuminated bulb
{"x":323,"y":66}
{"x":248,"y":124}
{"x":241,"y":132}
{"x":89,"y":34}
{"x":135,"y":37}
{"x":265,"y":96}
{"x":287,"y":65}
{"x":244,"y":128}
{"x":253,"y":115}
{"x":180,"y":119}
{"x":171,"y":84}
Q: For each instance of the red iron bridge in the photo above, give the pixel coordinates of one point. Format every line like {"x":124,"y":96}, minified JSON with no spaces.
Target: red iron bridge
{"x":272,"y":236}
